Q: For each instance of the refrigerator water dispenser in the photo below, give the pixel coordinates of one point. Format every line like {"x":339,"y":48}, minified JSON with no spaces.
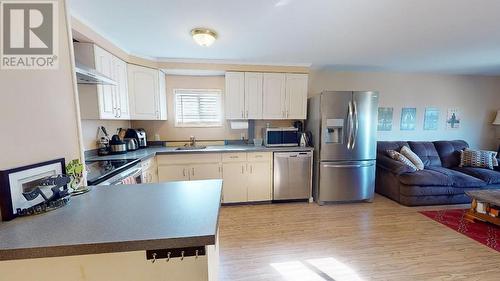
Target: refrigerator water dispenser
{"x":334,"y":131}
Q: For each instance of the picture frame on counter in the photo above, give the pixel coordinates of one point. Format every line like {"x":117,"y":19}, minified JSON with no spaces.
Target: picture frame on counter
{"x":14,"y":182}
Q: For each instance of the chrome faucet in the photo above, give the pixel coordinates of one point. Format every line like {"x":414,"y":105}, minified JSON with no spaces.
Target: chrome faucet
{"x":192,"y":141}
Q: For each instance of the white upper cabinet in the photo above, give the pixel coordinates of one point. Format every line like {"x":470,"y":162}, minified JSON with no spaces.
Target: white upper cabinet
{"x":102,"y":101}
{"x":235,"y":95}
{"x":296,"y":96}
{"x":121,"y":90}
{"x":253,"y":95}
{"x":147,"y":94}
{"x":274,"y":96}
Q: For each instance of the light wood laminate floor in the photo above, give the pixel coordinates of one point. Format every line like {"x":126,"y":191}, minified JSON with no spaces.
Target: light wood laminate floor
{"x":365,"y":241}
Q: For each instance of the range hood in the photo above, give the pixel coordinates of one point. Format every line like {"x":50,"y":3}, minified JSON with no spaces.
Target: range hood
{"x":87,"y":75}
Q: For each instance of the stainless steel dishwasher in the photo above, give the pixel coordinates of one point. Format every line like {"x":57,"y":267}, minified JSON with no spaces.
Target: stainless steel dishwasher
{"x":292,"y":175}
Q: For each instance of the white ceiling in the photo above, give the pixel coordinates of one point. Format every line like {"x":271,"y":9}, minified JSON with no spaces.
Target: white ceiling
{"x":448,"y":36}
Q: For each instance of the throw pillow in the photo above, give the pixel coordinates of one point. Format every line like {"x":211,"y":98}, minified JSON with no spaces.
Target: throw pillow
{"x":401,"y":158}
{"x":406,"y":151}
{"x":478,"y":158}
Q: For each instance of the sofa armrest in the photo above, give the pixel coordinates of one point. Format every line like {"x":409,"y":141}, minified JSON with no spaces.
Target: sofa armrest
{"x":391,"y":165}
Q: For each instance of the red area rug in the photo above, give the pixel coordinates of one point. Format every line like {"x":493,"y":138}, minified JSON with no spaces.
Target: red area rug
{"x":484,"y":233}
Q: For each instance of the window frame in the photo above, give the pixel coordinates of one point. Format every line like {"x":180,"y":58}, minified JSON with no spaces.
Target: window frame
{"x":199,"y":125}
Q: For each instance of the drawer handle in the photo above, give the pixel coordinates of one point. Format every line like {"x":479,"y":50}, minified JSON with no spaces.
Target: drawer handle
{"x":348,"y":166}
{"x":258,"y":156}
{"x":233,"y":157}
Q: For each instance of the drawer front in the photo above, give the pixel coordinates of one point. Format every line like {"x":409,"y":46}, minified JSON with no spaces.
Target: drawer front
{"x":149,"y":163}
{"x":346,"y":181}
{"x":234,"y":157}
{"x":189,"y":158}
{"x":259,"y":156}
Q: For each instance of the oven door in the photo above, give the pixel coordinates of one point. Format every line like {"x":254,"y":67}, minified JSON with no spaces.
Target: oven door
{"x":130,"y":176}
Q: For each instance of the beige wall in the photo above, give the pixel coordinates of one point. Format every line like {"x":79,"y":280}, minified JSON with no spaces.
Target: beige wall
{"x":477,"y":97}
{"x":38,"y":116}
{"x":89,"y":130}
{"x":167,"y":129}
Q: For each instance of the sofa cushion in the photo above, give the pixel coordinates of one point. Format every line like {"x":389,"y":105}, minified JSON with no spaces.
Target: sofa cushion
{"x":449,"y":152}
{"x":402,"y":159}
{"x":383,"y":146}
{"x":406,"y":151}
{"x":426,"y":151}
{"x":489,"y":176}
{"x":426,"y":178}
{"x":459,"y":179}
{"x":415,"y":190}
{"x":478,"y":158}
{"x":391,"y":165}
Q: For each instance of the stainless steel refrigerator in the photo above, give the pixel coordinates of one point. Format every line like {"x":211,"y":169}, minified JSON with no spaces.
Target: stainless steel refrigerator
{"x":343,"y":127}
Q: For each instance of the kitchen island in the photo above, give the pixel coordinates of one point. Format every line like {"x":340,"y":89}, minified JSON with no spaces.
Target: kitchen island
{"x":115,"y":233}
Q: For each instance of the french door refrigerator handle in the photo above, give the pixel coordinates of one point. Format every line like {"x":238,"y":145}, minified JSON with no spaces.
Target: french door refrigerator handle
{"x":356,"y":124}
{"x":351,"y":125}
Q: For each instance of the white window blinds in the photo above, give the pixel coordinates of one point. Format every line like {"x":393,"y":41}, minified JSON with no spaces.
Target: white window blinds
{"x":198,"y":108}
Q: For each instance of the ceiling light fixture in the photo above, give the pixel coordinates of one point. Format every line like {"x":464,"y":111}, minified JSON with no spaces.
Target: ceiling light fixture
{"x":203,"y":36}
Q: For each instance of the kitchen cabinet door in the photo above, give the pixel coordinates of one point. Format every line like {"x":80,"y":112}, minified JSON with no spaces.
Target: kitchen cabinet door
{"x":205,"y":171}
{"x":259,"y":181}
{"x":144,"y":96}
{"x":150,"y":176}
{"x":296,"y":96}
{"x":274,"y":96}
{"x":173,"y":173}
{"x":104,"y":63}
{"x":162,"y":105}
{"x":235,"y":95}
{"x":253,"y":95}
{"x":235,"y":187}
{"x":121,"y":90}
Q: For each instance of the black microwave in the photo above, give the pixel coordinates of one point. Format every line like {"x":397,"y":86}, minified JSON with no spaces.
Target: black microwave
{"x":280,"y":136}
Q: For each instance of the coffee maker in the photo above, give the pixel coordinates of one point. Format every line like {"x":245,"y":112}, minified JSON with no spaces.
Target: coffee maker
{"x":139,"y":135}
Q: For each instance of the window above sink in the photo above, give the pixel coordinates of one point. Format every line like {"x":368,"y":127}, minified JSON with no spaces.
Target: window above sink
{"x":198,"y":107}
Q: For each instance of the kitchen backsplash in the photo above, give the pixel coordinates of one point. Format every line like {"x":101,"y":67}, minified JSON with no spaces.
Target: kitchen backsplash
{"x":89,"y":130}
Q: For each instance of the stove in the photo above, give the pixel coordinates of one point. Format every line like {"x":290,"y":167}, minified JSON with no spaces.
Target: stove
{"x":101,"y":170}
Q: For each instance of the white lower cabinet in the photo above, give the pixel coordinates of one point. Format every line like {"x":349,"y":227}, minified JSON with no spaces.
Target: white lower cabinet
{"x":234,"y":185}
{"x":173,"y":173}
{"x":149,"y":170}
{"x":259,"y":181}
{"x":189,"y":167}
{"x":205,"y":171}
{"x":247,"y":176}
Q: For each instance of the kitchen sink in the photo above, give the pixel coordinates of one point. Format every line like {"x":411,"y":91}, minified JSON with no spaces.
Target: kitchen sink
{"x":196,"y":147}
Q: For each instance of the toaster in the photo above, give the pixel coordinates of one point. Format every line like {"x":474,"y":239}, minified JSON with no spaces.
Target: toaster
{"x":139,"y":135}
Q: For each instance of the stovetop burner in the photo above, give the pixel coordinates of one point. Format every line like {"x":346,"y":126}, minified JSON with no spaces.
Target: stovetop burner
{"x":100,"y":170}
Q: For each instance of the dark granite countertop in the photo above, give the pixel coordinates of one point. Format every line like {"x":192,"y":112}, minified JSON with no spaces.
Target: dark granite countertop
{"x":119,"y":218}
{"x":158,"y":150}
